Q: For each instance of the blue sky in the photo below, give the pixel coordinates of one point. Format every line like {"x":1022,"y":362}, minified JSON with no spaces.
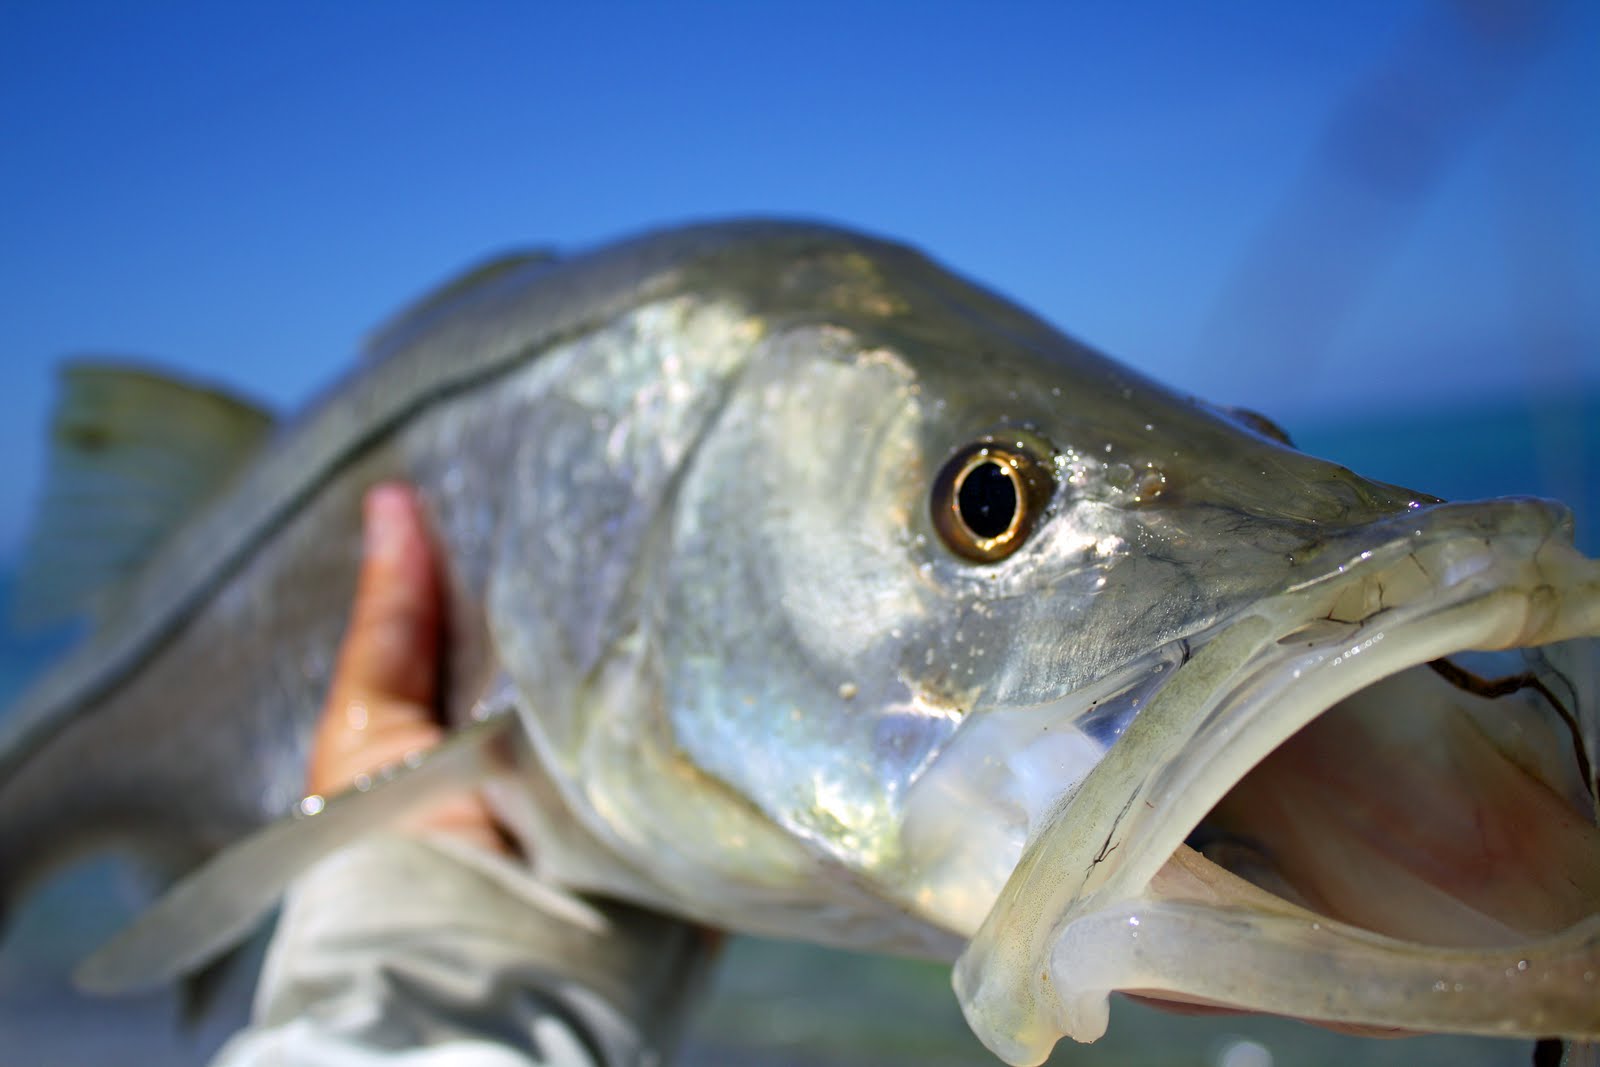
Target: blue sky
{"x":1311,"y":209}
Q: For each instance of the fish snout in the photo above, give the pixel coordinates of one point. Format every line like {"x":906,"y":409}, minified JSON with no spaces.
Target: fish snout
{"x":1430,"y":535}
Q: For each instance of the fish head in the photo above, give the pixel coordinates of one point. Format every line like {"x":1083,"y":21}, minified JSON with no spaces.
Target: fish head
{"x":889,"y":539}
{"x":966,"y":639}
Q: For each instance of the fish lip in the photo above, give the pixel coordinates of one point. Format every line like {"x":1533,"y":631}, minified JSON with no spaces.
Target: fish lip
{"x":1416,"y":587}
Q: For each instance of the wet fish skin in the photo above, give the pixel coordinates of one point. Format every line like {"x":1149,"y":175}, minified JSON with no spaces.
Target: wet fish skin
{"x":681,"y":489}
{"x":188,"y":715}
{"x":245,"y":632}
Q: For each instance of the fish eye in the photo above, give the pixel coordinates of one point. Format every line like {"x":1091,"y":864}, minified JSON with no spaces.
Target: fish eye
{"x":989,"y":496}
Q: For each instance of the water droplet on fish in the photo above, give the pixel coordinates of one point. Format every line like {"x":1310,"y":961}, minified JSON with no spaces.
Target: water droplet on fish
{"x":1055,"y":390}
{"x":363,"y":782}
{"x":848,"y":691}
{"x":1522,"y":965}
{"x":1440,"y":987}
{"x":312,"y":804}
{"x":1150,"y":485}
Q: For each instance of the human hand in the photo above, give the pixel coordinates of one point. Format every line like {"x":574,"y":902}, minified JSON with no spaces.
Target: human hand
{"x":380,"y":707}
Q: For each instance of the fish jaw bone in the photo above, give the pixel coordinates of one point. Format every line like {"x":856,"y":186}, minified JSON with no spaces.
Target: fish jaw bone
{"x":1042,"y":965}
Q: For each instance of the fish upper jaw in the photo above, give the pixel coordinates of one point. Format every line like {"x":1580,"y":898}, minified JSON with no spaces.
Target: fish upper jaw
{"x":1094,"y":903}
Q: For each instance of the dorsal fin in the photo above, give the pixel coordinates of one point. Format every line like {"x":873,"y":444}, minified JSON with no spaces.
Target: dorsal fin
{"x":444,"y":298}
{"x":132,"y":454}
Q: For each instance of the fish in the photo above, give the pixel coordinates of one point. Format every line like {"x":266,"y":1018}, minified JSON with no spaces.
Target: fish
{"x":800,"y":587}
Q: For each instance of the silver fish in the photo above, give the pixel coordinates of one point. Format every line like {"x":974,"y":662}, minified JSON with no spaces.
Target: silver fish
{"x":836,"y":598}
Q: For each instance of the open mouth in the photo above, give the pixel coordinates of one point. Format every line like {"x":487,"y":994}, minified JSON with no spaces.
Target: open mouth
{"x":1386,"y":782}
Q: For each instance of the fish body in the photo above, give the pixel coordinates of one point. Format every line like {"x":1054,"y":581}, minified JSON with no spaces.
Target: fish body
{"x":836,"y":598}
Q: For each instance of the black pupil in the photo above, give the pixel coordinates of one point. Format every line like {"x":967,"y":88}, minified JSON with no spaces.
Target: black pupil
{"x":987,"y":500}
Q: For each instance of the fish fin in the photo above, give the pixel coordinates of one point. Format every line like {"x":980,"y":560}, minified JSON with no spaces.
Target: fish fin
{"x":132,"y":454}
{"x":217,"y":905}
{"x":462,"y":288}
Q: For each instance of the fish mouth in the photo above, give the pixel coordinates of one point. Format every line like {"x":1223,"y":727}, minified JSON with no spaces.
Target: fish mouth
{"x":1337,"y":809}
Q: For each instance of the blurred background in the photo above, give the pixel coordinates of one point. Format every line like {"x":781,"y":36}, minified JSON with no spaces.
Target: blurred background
{"x":1374,"y":221}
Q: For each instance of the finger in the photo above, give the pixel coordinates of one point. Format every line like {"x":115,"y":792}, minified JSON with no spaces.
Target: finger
{"x":391,"y":648}
{"x":379,"y":705}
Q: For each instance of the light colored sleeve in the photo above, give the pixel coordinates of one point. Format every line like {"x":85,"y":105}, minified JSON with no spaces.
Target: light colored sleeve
{"x":405,"y":951}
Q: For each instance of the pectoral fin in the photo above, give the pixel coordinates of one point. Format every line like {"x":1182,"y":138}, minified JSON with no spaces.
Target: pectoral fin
{"x":219,"y":903}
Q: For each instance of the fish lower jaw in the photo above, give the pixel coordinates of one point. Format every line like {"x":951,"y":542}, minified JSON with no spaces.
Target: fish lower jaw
{"x":1108,"y":898}
{"x":1193,"y":938}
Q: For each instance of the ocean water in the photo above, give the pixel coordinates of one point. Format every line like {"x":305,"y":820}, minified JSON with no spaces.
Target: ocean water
{"x":776,"y":1004}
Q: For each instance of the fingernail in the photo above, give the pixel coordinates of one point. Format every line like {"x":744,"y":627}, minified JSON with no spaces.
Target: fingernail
{"x":385,"y":512}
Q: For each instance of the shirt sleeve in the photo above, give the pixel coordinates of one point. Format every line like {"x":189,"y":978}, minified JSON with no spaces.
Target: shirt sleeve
{"x":406,"y":951}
